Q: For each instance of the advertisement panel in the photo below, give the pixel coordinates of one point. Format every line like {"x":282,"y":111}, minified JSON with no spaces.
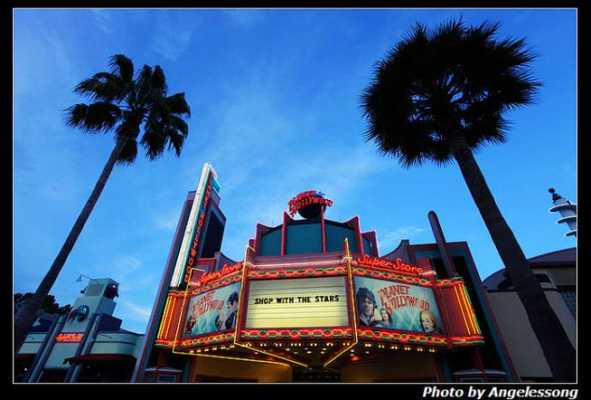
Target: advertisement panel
{"x":212,"y":311}
{"x":297,"y":303}
{"x":392,"y":305}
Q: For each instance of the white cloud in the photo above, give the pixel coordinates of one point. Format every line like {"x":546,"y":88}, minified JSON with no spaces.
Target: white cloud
{"x":121,"y":269}
{"x":171,"y":38}
{"x":167,"y":221}
{"x":243,"y":18}
{"x":103,"y":19}
{"x":390,"y":240}
{"x":135,"y":312}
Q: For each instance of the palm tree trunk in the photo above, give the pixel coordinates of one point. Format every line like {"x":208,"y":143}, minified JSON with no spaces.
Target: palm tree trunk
{"x":26,"y":316}
{"x":557,"y":348}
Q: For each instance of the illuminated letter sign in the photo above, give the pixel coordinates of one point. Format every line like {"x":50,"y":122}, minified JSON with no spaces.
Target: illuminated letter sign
{"x":396,"y":266}
{"x":189,"y":245}
{"x":297,"y":303}
{"x":305,"y":199}
{"x":69,"y":337}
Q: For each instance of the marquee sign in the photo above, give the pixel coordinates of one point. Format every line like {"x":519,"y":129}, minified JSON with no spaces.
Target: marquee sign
{"x":392,"y":301}
{"x":301,"y":303}
{"x":306,"y":199}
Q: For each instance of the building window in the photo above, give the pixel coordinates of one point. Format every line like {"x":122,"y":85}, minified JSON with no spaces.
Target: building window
{"x":335,"y":238}
{"x":271,"y":243}
{"x":304,"y":238}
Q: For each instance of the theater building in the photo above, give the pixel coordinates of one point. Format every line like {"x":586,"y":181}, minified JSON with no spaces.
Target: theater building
{"x":312,"y":300}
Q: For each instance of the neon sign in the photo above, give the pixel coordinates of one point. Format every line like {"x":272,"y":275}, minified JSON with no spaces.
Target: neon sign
{"x":212,"y":276}
{"x":69,"y":337}
{"x":189,"y":246}
{"x":398,"y":265}
{"x":306,"y":199}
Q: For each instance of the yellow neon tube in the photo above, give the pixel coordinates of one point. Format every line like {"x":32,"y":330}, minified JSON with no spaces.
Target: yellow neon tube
{"x":461,"y":308}
{"x":350,"y":275}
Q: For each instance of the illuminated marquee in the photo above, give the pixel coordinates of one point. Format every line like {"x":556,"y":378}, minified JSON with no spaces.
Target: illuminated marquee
{"x":392,"y":301}
{"x":69,"y":337}
{"x":297,"y":303}
{"x":306,"y":199}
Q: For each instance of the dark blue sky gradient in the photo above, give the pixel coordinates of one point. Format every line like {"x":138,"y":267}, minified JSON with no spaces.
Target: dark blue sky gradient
{"x":275,"y":102}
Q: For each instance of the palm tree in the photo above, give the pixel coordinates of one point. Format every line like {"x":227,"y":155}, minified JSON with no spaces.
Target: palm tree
{"x":440,"y":95}
{"x":125,"y":104}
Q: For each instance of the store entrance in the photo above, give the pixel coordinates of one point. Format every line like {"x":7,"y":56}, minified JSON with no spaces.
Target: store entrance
{"x":316,"y":375}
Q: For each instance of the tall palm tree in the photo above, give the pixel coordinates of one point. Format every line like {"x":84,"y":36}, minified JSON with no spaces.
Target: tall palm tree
{"x":438,"y":96}
{"x":126,"y":105}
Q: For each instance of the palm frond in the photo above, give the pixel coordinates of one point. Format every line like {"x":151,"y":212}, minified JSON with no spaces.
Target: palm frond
{"x":180,"y":125}
{"x":176,"y":141}
{"x":143,"y":85}
{"x":433,"y":86}
{"x":128,"y":152}
{"x":178,"y":105}
{"x":130,"y":126}
{"x":158,"y":82}
{"x":122,"y":67}
{"x":93,"y":118}
{"x":143,"y":101}
{"x":154,"y":139}
{"x":103,"y":86}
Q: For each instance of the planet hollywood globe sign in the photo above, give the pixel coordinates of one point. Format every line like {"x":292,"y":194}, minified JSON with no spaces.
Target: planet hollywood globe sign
{"x":309,"y":204}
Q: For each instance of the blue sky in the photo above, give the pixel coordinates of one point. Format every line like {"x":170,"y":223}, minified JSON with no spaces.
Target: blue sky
{"x":275,"y":99}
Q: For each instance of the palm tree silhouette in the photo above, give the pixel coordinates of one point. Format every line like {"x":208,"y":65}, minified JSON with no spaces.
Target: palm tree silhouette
{"x":438,"y":96}
{"x":123,"y":104}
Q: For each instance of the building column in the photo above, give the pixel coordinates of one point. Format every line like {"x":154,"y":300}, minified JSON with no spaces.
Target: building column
{"x":46,"y":348}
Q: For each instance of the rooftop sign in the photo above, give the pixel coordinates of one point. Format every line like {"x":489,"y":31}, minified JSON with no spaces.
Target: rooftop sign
{"x":305,"y":199}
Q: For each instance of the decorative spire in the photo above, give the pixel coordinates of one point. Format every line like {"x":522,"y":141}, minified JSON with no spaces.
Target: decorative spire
{"x":555,"y":196}
{"x":567,"y":210}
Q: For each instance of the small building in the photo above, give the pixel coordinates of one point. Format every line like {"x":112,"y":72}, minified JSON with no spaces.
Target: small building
{"x":85,"y":345}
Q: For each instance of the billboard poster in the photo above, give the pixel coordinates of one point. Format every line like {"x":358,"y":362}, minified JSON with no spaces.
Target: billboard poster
{"x":212,"y":311}
{"x":297,"y":303}
{"x":393,"y":305}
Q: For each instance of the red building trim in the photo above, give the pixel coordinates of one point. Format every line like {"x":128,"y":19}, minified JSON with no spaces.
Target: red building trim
{"x":323,"y":230}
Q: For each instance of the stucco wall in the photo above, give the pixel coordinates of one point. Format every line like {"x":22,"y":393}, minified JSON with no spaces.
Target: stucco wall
{"x":32,"y":343}
{"x":561,"y":276}
{"x":522,"y":343}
